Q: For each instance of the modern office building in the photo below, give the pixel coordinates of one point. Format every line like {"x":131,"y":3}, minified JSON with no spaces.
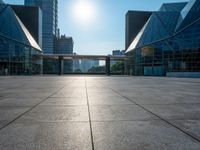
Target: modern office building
{"x":169,"y":42}
{"x":18,"y":49}
{"x":64,"y":45}
{"x":31,"y":17}
{"x":49,"y":21}
{"x":135,"y":20}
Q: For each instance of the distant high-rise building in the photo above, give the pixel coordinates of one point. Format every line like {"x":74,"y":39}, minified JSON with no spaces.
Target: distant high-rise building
{"x":135,"y":20}
{"x":118,"y":52}
{"x":88,"y":64}
{"x":49,"y":22}
{"x":64,"y":45}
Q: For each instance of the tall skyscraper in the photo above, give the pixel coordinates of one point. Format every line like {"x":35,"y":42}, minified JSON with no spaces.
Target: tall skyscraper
{"x":49,"y":22}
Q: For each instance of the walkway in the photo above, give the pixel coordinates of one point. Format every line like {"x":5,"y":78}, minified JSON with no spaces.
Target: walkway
{"x":99,"y":112}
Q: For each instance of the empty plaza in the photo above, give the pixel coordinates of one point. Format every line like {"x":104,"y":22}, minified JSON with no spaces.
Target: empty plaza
{"x":99,"y":112}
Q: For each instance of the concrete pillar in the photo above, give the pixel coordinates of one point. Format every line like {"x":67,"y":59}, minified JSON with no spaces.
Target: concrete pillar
{"x":108,"y":66}
{"x":60,"y":65}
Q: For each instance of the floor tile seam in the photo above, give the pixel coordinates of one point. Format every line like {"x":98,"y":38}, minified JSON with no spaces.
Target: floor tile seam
{"x":89,"y":115}
{"x":22,"y":114}
{"x":164,"y":120}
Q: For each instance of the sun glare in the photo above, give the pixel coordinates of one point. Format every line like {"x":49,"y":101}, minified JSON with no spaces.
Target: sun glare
{"x":84,"y":11}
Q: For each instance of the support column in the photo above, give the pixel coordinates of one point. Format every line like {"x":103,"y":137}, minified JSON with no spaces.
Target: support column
{"x":108,"y":66}
{"x":41,"y":65}
{"x":60,"y":65}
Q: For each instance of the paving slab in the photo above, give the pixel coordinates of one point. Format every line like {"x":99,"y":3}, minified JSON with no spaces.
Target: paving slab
{"x":108,"y":100}
{"x":140,"y":135}
{"x":109,"y":113}
{"x":24,"y":94}
{"x":102,"y":94}
{"x":68,"y":95}
{"x":74,"y":101}
{"x":46,"y":136}
{"x":7,"y":114}
{"x":119,"y":113}
{"x":180,"y":111}
{"x":190,"y":126}
{"x":154,"y":99}
{"x":56,"y":114}
{"x":15,"y":102}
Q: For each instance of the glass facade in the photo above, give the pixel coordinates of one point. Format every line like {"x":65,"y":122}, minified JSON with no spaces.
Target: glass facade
{"x":18,"y":50}
{"x":18,"y":59}
{"x":49,"y":22}
{"x":74,"y":66}
{"x":161,"y":49}
{"x":83,"y":64}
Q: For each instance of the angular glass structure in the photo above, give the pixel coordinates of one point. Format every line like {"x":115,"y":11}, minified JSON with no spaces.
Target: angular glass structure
{"x":18,"y":49}
{"x":169,"y":43}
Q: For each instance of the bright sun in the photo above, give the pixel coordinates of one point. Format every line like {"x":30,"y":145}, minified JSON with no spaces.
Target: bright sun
{"x":84,"y":11}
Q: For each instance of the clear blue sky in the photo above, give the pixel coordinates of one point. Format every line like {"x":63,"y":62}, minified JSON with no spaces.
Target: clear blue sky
{"x":107,"y":31}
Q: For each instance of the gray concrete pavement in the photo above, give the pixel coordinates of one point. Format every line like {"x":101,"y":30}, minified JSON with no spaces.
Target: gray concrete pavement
{"x":99,"y":112}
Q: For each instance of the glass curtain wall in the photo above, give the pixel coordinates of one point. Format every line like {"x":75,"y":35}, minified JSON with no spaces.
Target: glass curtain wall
{"x":180,"y":53}
{"x":86,"y":65}
{"x":18,"y":59}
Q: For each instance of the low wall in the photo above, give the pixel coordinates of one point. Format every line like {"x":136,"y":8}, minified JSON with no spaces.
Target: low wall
{"x":184,"y":74}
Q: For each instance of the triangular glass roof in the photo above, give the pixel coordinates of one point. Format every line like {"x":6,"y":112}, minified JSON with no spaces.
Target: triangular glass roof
{"x":173,"y":6}
{"x":137,"y":38}
{"x":189,"y":14}
{"x":11,"y":27}
{"x":159,"y":26}
{"x":191,"y":40}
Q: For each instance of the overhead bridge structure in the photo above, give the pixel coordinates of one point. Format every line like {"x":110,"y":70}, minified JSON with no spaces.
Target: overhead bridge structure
{"x":60,"y":58}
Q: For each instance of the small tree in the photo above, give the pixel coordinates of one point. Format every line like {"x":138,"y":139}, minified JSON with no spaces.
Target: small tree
{"x":118,"y":67}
